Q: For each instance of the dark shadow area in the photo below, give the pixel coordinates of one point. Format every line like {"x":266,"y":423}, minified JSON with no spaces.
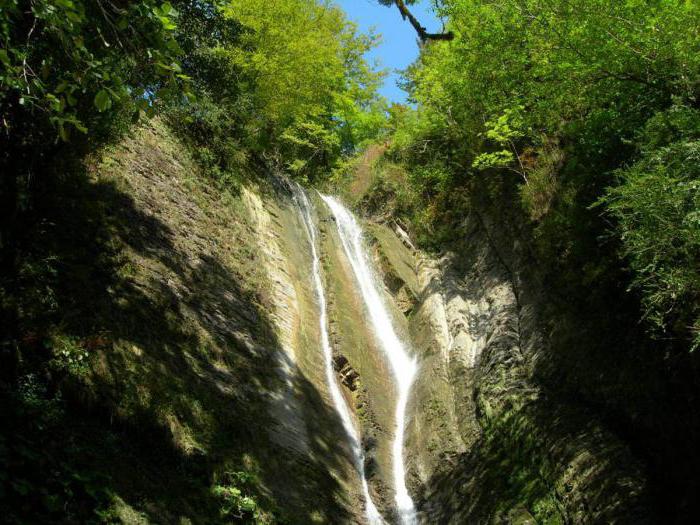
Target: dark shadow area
{"x":601,"y":358}
{"x":182,"y":367}
{"x":522,"y":462}
{"x":646,"y":392}
{"x":596,"y":362}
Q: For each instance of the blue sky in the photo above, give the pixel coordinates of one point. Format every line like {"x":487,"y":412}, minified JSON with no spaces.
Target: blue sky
{"x":399,"y":45}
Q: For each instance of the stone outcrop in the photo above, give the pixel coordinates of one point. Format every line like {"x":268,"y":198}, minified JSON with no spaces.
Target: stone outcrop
{"x":214,"y":326}
{"x":487,"y":443}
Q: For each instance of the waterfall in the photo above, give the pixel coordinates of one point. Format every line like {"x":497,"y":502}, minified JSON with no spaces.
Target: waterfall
{"x":403,"y":366}
{"x":373,"y":516}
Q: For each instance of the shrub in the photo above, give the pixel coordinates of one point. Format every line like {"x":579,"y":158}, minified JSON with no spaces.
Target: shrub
{"x":68,"y":355}
{"x":657,"y":208}
{"x":233,"y":493}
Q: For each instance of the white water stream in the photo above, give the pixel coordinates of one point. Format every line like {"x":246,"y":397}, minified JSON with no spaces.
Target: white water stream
{"x":373,"y":516}
{"x":403,"y":366}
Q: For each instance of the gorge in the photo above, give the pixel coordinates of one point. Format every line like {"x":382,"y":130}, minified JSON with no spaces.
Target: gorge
{"x":384,"y":377}
{"x":240,"y":285}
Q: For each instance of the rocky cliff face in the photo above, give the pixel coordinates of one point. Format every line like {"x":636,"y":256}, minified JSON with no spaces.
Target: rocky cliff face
{"x":208,"y":374}
{"x":209,"y":353}
{"x":487,"y":443}
{"x":306,"y":427}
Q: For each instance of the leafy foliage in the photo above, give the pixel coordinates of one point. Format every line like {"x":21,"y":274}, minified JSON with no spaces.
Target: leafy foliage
{"x":286,"y":82}
{"x":315,"y":95}
{"x":657,"y":209}
{"x":503,"y":131}
{"x":65,"y":60}
{"x":236,"y":503}
{"x":68,"y":355}
{"x":559,"y":92}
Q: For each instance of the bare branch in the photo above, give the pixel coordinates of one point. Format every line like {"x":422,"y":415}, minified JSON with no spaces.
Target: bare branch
{"x":25,"y":66}
{"x":422,"y":32}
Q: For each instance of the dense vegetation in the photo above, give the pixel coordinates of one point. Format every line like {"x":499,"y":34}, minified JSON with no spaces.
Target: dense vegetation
{"x":582,"y":115}
{"x":569,"y":129}
{"x":591,"y":110}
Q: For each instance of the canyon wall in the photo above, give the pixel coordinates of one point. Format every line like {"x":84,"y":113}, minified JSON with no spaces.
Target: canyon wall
{"x":487,"y":443}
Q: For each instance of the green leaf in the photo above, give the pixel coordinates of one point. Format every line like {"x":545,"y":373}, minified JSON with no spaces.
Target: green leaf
{"x":67,"y":4}
{"x":173,"y":46}
{"x":102,"y":100}
{"x":248,"y":504}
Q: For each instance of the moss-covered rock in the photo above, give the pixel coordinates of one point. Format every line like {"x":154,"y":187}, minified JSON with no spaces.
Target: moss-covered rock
{"x":487,"y":444}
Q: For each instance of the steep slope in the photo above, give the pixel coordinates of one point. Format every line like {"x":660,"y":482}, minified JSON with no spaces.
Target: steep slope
{"x":185,"y":380}
{"x":200,"y":385}
{"x":488,"y":442}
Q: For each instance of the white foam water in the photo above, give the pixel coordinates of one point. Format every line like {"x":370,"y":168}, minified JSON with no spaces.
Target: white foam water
{"x":403,"y":366}
{"x":371,"y":512}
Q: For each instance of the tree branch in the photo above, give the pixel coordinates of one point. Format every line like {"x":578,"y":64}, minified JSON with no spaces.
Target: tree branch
{"x":422,"y":33}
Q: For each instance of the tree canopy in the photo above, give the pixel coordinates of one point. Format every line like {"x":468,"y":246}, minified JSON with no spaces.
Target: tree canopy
{"x":562,"y":97}
{"x":313,"y":87}
{"x":62,"y":61}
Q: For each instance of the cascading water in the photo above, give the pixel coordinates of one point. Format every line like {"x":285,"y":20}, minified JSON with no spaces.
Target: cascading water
{"x":403,"y":366}
{"x":373,"y":516}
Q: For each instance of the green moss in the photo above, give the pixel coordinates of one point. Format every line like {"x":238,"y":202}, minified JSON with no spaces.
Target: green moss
{"x":515,"y":475}
{"x":138,"y":389}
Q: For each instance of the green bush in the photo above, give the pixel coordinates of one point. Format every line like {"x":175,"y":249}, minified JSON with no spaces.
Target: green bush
{"x":656,"y":206}
{"x":233,"y":493}
{"x":68,"y":355}
{"x":213,"y":135}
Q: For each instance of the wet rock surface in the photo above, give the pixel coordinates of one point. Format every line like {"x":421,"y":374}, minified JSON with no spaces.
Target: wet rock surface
{"x":487,"y":443}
